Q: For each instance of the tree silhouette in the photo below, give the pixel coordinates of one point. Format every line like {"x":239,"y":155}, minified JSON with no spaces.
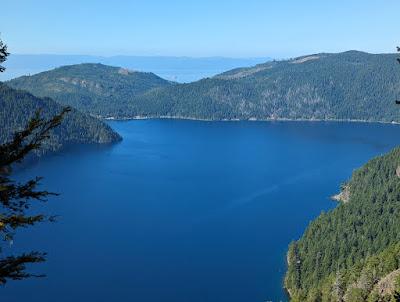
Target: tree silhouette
{"x":398,"y":60}
{"x":17,"y":198}
{"x":3,"y":55}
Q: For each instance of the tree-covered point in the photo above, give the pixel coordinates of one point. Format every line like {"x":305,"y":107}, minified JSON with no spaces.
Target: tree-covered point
{"x":347,"y":252}
{"x":18,"y":107}
{"x":346,"y":86}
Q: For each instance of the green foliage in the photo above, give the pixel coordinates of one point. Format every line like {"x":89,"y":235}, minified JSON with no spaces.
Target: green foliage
{"x":3,"y":54}
{"x":356,"y":294}
{"x":16,"y":198}
{"x":18,"y":107}
{"x":94,"y":88}
{"x":346,"y":86}
{"x":357,"y":242}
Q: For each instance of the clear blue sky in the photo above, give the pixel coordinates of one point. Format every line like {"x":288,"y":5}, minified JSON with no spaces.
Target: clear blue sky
{"x":277,"y":28}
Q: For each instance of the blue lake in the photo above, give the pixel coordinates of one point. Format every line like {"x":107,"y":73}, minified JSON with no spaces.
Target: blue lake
{"x":187,"y":211}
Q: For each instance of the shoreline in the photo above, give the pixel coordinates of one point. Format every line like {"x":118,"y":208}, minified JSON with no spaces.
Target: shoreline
{"x":339,"y":197}
{"x":285,"y":287}
{"x":166,"y":117}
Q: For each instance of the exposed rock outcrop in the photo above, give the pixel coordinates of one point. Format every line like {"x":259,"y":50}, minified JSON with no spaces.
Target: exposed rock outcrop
{"x":344,"y":195}
{"x":387,"y":285}
{"x":398,"y":171}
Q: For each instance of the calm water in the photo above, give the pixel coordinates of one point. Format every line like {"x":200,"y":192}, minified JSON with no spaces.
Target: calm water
{"x":188,"y":211}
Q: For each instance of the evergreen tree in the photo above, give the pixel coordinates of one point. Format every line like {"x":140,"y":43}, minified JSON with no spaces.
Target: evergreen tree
{"x":346,"y":252}
{"x":339,"y":286}
{"x":3,"y":55}
{"x":17,"y":198}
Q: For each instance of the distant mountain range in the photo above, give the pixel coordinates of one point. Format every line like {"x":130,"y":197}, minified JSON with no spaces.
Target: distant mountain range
{"x":179,"y":69}
{"x":17,"y":107}
{"x":346,"y":86}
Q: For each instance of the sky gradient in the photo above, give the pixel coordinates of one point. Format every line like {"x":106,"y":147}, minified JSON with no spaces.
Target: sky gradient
{"x":250,"y":28}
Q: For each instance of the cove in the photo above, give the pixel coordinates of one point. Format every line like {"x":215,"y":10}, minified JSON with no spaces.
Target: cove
{"x":187,"y":210}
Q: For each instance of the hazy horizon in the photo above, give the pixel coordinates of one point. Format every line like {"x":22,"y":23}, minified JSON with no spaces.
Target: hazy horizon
{"x":179,"y":69}
{"x":393,"y":51}
{"x":183,"y":69}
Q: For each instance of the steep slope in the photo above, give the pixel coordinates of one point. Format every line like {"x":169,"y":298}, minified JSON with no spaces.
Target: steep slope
{"x":345,"y":86}
{"x":94,"y":88}
{"x":346,"y":252}
{"x":17,"y":107}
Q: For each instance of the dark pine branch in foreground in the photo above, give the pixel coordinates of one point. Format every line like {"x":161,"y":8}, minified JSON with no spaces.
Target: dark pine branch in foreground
{"x":17,"y":198}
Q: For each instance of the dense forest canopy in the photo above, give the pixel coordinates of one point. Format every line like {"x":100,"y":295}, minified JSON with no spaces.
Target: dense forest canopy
{"x":93,"y":88}
{"x":346,"y":86}
{"x":345,"y":253}
{"x":352,"y":253}
{"x":18,"y":107}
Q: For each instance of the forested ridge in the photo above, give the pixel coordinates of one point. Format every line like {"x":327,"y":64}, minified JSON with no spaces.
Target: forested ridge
{"x":92,"y":88}
{"x":17,"y":107}
{"x":345,"y":86}
{"x":352,"y":253}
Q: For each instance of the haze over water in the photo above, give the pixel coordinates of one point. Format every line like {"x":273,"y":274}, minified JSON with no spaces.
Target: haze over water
{"x":188,"y":211}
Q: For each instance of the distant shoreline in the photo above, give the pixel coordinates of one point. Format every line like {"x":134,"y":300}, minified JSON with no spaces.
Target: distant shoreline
{"x":111,"y":118}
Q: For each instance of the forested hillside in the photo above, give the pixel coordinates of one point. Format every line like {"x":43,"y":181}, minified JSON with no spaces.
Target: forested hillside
{"x":352,"y":253}
{"x":93,"y":88}
{"x":345,"y":86}
{"x":17,"y":107}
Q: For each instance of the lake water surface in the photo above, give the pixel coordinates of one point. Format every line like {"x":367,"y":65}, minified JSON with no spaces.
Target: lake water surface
{"x":188,"y":211}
